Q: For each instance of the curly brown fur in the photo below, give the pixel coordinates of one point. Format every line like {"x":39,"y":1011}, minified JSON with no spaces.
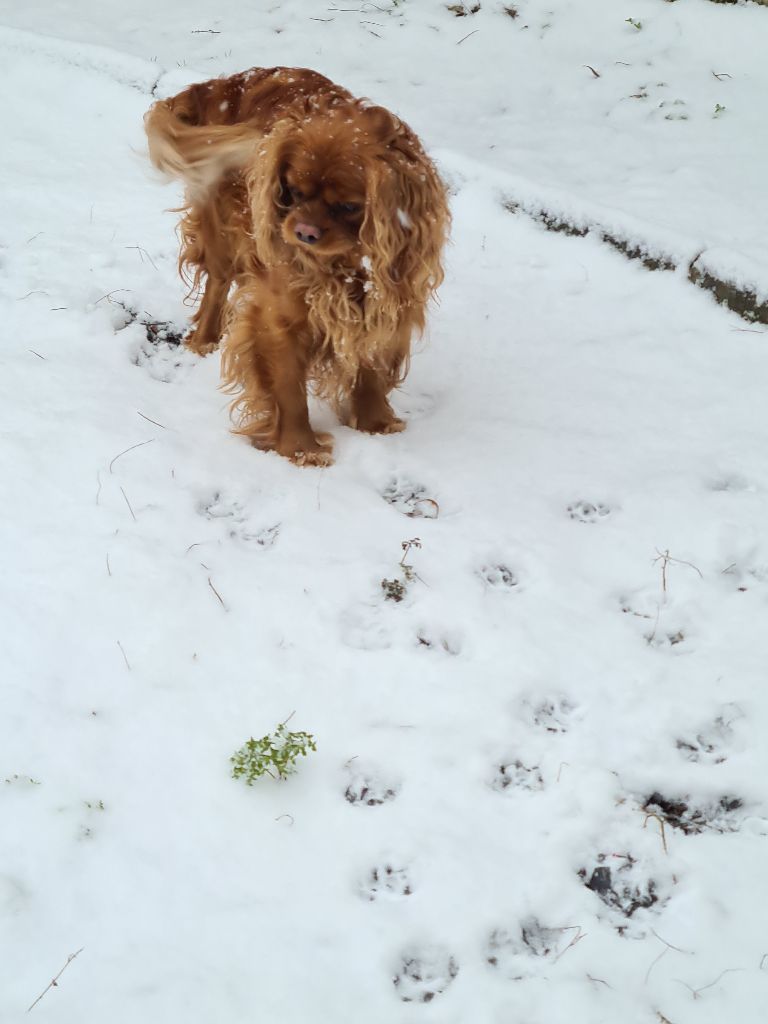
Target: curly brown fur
{"x":329,"y":220}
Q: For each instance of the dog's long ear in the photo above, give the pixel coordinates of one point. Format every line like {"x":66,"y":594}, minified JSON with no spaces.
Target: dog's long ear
{"x":197,"y":154}
{"x":266,"y":189}
{"x":406,"y":219}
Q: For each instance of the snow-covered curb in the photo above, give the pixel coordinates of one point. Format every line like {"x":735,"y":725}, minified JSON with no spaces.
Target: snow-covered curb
{"x":731,"y":278}
{"x":144,"y":75}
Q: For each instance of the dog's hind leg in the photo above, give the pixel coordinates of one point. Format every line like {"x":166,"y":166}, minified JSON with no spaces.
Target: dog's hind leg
{"x":208,"y":318}
{"x":205,"y":257}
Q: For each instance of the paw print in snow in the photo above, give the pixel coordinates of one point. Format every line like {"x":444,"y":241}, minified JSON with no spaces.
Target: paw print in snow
{"x":674,"y":110}
{"x":499,"y":576}
{"x":161,"y":354}
{"x":711,"y":742}
{"x":731,"y":482}
{"x":386,"y":881}
{"x":424,"y":973}
{"x":410,"y":499}
{"x":551,"y":714}
{"x":368,"y":787}
{"x":450,"y":644}
{"x":217,"y":507}
{"x":517,"y":775}
{"x":262,"y":538}
{"x":516,"y":953}
{"x":622,"y":885}
{"x":163,"y":332}
{"x":586,"y":512}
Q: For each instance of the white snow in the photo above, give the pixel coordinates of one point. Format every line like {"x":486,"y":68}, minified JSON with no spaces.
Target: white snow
{"x":584,"y":466}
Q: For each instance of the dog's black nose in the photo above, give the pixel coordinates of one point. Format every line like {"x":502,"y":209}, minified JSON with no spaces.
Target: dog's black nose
{"x":308,"y":233}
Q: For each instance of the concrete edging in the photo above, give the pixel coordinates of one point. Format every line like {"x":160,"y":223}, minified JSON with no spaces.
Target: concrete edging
{"x":739,"y":299}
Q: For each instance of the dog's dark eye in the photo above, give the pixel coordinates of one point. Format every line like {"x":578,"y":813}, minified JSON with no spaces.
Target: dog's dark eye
{"x":346,"y":208}
{"x":296,"y":194}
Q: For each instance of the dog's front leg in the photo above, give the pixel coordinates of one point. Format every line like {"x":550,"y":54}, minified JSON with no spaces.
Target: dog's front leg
{"x":285,"y":369}
{"x":264,"y":361}
{"x":370,"y":408}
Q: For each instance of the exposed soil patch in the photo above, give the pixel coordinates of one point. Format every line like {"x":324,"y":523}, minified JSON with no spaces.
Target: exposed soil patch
{"x":718,"y":816}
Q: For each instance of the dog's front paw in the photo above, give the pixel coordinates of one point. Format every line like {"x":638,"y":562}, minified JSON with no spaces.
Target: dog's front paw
{"x":200,"y":345}
{"x":309,"y":450}
{"x":383,"y":423}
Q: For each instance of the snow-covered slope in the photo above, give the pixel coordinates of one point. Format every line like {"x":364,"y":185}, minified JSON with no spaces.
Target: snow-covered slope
{"x":584,"y":468}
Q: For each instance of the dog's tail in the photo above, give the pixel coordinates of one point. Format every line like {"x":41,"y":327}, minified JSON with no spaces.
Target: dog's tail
{"x":198,"y":154}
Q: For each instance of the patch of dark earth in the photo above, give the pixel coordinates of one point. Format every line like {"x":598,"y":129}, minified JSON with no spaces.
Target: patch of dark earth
{"x":719,"y":816}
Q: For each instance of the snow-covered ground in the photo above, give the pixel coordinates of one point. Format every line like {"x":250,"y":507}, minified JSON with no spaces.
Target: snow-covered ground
{"x":584,"y":468}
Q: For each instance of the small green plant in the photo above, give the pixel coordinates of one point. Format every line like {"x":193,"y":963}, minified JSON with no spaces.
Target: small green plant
{"x":719,"y":109}
{"x":274,"y":754}
{"x":634,"y":23}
